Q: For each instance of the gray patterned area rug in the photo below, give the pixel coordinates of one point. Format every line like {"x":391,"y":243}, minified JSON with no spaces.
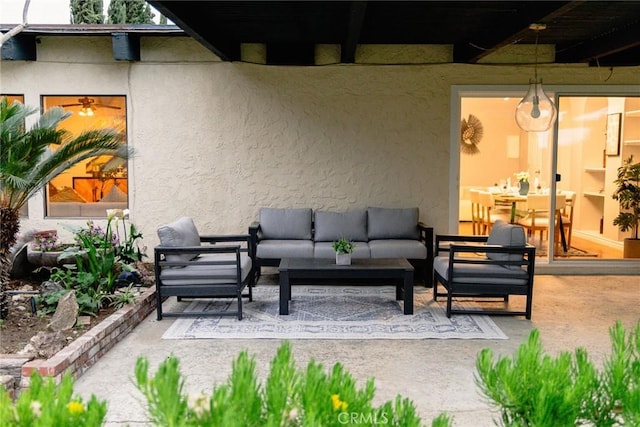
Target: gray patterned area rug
{"x":334,"y":312}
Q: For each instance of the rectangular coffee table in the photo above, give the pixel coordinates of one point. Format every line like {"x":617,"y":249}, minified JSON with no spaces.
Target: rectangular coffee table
{"x":398,"y":271}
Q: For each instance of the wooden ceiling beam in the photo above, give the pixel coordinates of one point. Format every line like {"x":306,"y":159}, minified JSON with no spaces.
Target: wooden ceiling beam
{"x":470,"y":54}
{"x":356,"y":19}
{"x":224,"y":49}
{"x":612,"y":43}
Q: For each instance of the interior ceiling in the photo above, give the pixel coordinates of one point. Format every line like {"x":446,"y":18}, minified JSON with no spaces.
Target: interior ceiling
{"x":595,"y":32}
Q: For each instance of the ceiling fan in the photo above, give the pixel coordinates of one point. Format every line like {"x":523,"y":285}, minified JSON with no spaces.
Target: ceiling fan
{"x":89,"y":106}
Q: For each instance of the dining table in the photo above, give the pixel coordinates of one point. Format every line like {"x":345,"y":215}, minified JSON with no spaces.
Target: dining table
{"x":514,"y":199}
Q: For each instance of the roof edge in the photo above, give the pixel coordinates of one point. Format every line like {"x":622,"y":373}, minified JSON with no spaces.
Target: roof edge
{"x":96,"y":29}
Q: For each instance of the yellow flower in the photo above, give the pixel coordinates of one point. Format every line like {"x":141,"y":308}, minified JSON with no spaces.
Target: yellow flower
{"x":75,"y":407}
{"x":338,"y":405}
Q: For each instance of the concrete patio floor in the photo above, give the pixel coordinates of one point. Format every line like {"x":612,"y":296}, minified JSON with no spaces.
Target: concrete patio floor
{"x":438,"y":375}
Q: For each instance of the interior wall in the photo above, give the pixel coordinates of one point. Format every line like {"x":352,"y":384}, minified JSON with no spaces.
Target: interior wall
{"x":503,"y":149}
{"x":216,"y":141}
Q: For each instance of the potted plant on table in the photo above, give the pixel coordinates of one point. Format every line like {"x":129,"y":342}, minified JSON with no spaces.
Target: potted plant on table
{"x":344,"y":248}
{"x":628,"y":194}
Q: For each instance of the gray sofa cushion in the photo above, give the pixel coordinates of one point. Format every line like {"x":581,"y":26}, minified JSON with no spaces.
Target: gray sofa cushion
{"x":285,"y":224}
{"x":397,"y":248}
{"x":182,"y":232}
{"x":386,"y":223}
{"x":330,"y":226}
{"x":510,"y":235}
{"x":285,"y":249}
{"x":324,"y":250}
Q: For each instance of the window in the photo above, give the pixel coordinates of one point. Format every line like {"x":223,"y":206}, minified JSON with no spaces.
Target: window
{"x":91,"y":187}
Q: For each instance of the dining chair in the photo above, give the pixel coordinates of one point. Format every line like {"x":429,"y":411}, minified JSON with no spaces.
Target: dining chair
{"x":567,"y":214}
{"x":474,"y":195}
{"x":488,"y":213}
{"x":538,"y":218}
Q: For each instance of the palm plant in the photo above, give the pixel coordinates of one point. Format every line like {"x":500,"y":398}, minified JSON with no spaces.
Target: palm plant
{"x":28,"y":163}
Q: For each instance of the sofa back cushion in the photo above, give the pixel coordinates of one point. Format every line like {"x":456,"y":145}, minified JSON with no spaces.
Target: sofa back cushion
{"x":388,"y":223}
{"x":182,"y":232}
{"x":331,"y":226}
{"x":509,"y":235}
{"x":285,"y":224}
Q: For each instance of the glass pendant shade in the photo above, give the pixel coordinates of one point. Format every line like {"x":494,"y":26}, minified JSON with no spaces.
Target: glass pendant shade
{"x":536,"y":112}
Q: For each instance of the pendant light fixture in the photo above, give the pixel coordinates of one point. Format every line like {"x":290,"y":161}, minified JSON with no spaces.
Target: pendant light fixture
{"x":536,"y":112}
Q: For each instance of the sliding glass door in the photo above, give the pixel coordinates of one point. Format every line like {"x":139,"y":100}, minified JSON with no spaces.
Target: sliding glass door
{"x":595,"y":135}
{"x":572,"y":167}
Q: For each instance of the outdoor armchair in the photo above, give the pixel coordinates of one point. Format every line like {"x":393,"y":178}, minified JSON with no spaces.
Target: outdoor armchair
{"x":493,"y":266}
{"x":188,"y":265}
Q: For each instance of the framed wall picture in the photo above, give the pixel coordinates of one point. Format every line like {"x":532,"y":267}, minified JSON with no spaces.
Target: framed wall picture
{"x":612,"y":144}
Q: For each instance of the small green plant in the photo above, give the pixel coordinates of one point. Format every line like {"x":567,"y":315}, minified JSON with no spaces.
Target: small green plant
{"x":343,"y":246}
{"x":123,"y":297}
{"x":534,"y":389}
{"x":103,"y":261}
{"x":290,"y":397}
{"x":46,"y":404}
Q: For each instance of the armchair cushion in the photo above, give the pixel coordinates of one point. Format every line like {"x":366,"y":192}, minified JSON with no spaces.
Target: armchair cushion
{"x":388,"y":223}
{"x":207,"y":274}
{"x":285,"y":224}
{"x":509,"y":235}
{"x":182,"y":232}
{"x":331,"y":226}
{"x":490,"y":274}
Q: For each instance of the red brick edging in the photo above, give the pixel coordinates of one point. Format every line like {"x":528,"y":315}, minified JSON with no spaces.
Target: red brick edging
{"x":86,"y":350}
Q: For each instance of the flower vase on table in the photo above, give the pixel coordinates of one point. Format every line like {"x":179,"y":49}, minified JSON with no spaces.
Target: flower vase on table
{"x":524,"y":188}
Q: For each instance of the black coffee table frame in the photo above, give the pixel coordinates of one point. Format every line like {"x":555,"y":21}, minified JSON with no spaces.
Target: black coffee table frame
{"x":376,"y":271}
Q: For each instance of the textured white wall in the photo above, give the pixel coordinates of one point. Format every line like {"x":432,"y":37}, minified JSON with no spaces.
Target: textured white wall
{"x":216,"y":141}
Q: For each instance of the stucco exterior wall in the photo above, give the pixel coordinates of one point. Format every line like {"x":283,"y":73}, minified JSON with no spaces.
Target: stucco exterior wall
{"x":216,"y":141}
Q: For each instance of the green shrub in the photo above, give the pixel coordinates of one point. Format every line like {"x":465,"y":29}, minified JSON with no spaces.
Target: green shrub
{"x":534,"y":389}
{"x":291,"y":397}
{"x":46,"y":404}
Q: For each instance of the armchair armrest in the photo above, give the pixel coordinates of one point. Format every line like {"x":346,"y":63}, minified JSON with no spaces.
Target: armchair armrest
{"x":456,"y":238}
{"x":526,"y":255}
{"x":215,"y":238}
{"x":254,"y":238}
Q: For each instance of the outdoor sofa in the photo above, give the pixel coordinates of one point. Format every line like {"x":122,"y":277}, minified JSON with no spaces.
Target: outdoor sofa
{"x":377,"y":233}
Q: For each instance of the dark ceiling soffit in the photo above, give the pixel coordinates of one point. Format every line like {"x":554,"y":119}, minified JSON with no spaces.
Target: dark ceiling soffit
{"x":515,"y":32}
{"x":599,"y":49}
{"x":356,"y":19}
{"x":226,"y":51}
